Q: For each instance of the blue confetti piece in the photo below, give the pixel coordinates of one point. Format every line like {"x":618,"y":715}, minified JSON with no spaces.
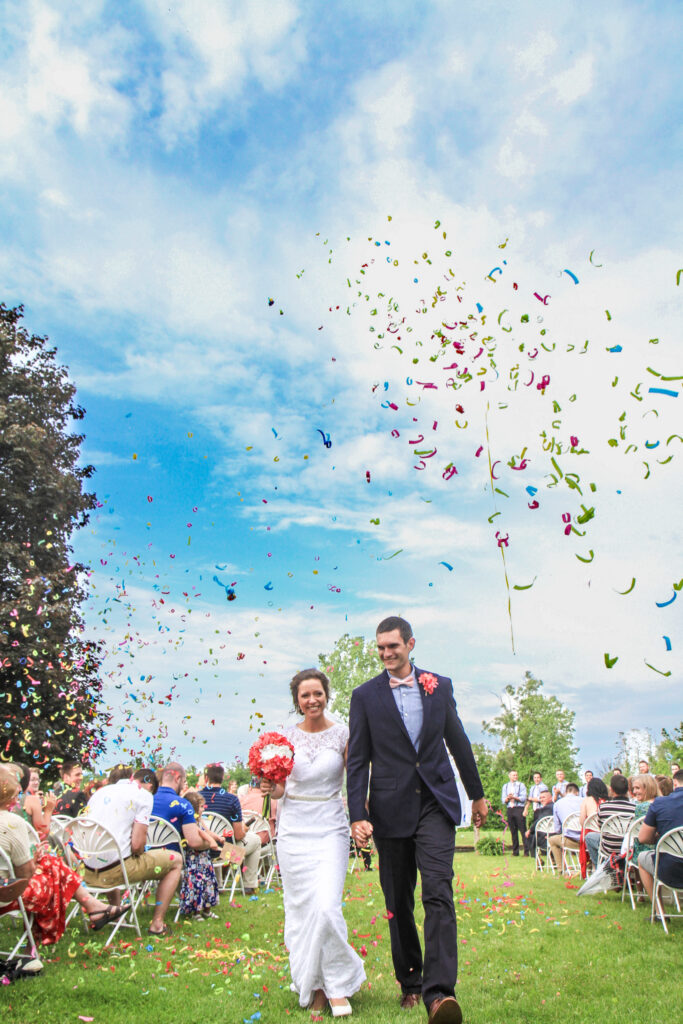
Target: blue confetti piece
{"x":663,"y":391}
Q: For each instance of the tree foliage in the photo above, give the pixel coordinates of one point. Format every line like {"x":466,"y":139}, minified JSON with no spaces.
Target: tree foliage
{"x":535,"y":733}
{"x":670,"y":749}
{"x":352,"y":661}
{"x":49,"y":685}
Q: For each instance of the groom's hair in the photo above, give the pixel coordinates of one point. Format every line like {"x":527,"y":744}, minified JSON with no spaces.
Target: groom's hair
{"x":395,"y":622}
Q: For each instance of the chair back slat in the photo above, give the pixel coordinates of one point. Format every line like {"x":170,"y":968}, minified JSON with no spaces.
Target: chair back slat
{"x":571,"y":823}
{"x":545,"y":825}
{"x":617,"y":825}
{"x":672,"y":842}
{"x":161,"y":833}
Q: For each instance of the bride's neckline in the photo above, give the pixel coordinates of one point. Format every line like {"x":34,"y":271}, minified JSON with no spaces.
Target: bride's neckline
{"x":315,"y":732}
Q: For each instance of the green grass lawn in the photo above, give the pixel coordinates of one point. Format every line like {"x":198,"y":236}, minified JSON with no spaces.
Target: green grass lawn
{"x":530,"y":952}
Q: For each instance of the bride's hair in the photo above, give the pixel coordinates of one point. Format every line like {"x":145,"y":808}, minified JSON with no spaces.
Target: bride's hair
{"x":308,"y":673}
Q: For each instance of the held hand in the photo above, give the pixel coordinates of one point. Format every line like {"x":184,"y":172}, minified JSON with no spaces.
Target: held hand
{"x":267,"y":786}
{"x":479,"y":812}
{"x":361,"y":831}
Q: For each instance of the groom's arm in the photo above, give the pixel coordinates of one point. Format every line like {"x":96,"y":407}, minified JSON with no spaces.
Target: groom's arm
{"x":461,"y":749}
{"x":358,"y":761}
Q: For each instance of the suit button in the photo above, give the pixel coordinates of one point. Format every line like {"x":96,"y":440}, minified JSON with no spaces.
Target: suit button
{"x":418,"y":790}
{"x":417,"y":764}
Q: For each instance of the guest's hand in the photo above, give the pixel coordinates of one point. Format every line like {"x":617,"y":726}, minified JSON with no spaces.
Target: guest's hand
{"x":361,"y":831}
{"x":49,"y":802}
{"x":480,"y":812}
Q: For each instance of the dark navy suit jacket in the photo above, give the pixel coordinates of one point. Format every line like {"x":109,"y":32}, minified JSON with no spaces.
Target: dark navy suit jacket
{"x":379,"y":738}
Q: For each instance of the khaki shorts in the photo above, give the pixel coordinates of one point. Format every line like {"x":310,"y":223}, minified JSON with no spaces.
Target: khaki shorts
{"x":149,"y":866}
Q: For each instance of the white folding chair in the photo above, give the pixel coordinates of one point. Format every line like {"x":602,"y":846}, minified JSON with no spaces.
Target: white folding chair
{"x":230,"y":873}
{"x":544,"y":827}
{"x":592,"y":823}
{"x":629,"y":866}
{"x":267,"y":866}
{"x":613,"y":828}
{"x":21,"y":915}
{"x":61,"y":819}
{"x":670,"y":843}
{"x":93,"y":842}
{"x":570,"y":856}
{"x":161,"y":834}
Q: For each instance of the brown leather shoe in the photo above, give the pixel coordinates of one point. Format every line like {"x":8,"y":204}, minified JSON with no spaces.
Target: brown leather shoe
{"x":410,"y":1000}
{"x":445,"y":1011}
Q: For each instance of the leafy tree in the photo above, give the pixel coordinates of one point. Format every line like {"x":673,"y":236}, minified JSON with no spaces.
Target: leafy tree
{"x":670,"y":749}
{"x":49,"y":686}
{"x":351,"y":662}
{"x":536,"y":733}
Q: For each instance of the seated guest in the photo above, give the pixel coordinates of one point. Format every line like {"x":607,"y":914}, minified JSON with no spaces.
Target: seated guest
{"x":663,"y":814}
{"x":560,"y":787}
{"x":73,"y":798}
{"x":664,"y":785}
{"x":252,"y":801}
{"x":617,"y":803}
{"x":49,"y":883}
{"x":596,"y":794}
{"x":644,"y":789}
{"x":584,"y":789}
{"x":539,"y":841}
{"x":566,"y":805}
{"x":221,"y":802}
{"x":124,"y":808}
{"x":29,"y":804}
{"x":199,"y":887}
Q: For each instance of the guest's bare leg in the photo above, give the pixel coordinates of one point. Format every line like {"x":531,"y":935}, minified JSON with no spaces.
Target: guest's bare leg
{"x":165,"y":890}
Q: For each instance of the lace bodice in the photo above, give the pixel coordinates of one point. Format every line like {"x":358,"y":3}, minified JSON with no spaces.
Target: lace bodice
{"x":318,"y":760}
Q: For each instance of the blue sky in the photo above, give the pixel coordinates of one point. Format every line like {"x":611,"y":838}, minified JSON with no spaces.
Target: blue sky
{"x":167,"y":170}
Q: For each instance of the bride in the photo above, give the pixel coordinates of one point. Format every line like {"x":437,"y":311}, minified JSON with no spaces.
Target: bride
{"x":313,"y":853}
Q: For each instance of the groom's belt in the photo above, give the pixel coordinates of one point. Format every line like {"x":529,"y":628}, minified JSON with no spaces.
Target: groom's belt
{"x":313,"y":799}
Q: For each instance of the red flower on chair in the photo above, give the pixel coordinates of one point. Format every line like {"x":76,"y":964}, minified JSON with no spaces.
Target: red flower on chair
{"x":428,"y":682}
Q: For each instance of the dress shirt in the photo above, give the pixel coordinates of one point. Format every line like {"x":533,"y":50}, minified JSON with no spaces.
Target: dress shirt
{"x":409,"y":703}
{"x":535,"y":794}
{"x":559,"y":789}
{"x":569,"y":804}
{"x":519,"y":789}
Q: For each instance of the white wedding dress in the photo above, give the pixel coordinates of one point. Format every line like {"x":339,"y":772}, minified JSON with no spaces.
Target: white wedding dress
{"x":313,"y":854}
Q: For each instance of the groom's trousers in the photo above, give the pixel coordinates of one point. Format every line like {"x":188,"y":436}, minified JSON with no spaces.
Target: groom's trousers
{"x":430,"y":850}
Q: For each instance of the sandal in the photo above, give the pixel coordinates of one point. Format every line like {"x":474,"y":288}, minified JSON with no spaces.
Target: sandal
{"x":163,"y":934}
{"x":105,"y":917}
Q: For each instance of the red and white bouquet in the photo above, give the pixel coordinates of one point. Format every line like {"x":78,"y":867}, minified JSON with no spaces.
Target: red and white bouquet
{"x":271,"y":758}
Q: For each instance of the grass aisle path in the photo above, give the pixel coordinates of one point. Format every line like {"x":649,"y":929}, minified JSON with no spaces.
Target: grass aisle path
{"x":530,"y":952}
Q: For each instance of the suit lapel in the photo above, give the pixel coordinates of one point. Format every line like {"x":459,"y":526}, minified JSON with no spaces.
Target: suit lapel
{"x":388,"y":703}
{"x":427,"y":709}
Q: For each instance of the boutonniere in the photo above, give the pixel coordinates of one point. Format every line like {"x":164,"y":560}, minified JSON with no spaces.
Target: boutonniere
{"x":428,"y":682}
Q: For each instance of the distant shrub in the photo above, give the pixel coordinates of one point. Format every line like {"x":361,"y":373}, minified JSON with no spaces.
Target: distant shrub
{"x":490,"y":846}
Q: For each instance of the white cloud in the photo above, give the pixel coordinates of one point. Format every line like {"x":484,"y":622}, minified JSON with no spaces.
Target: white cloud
{"x":213,"y":51}
{"x":576,"y":81}
{"x":533,"y":59}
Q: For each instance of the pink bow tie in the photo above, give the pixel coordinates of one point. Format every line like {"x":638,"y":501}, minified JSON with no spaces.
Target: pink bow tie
{"x":393,"y":683}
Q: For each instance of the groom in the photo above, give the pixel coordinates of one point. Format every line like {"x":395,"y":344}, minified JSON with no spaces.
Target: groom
{"x":400,"y":724}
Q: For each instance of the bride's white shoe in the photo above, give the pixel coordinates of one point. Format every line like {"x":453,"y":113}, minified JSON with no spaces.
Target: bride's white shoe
{"x":341,"y":1009}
